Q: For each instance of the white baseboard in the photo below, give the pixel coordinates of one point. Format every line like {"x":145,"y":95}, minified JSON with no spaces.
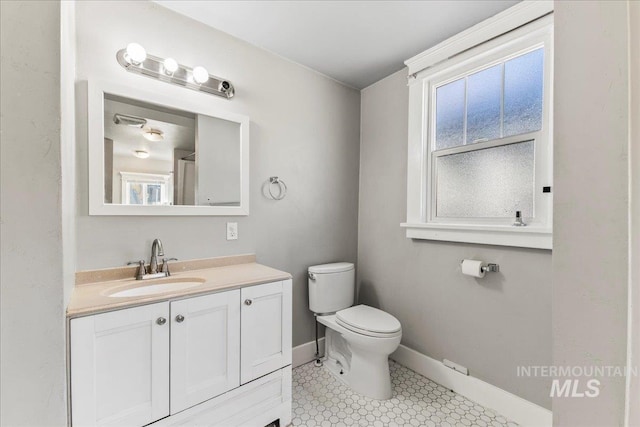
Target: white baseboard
{"x":506,"y":404}
{"x":305,"y":353}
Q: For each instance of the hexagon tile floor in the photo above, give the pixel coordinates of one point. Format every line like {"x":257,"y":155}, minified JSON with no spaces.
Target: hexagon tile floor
{"x":320,"y":399}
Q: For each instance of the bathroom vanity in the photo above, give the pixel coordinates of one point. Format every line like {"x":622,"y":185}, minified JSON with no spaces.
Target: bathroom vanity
{"x":210,"y":345}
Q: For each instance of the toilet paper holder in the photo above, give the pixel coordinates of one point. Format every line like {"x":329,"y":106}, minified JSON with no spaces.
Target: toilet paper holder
{"x":494,"y":268}
{"x":489,"y":268}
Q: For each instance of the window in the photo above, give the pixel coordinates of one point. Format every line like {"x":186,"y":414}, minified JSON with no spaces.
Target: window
{"x":480,"y":143}
{"x":479,"y":171}
{"x":146,"y":189}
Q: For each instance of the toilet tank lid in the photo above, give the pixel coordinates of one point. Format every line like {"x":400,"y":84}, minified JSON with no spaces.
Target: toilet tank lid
{"x":336,"y":267}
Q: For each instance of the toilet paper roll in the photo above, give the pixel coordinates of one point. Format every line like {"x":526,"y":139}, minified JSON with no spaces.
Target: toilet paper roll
{"x":472,"y":268}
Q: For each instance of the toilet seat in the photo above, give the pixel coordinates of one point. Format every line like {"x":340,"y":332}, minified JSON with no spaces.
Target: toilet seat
{"x":369,"y":321}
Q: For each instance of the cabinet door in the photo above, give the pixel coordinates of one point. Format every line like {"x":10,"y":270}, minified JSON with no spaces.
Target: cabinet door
{"x":205,"y":348}
{"x":120,"y":367}
{"x":266,"y":329}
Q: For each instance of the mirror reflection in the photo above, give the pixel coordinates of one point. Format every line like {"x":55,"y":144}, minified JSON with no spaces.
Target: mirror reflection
{"x":161,"y":156}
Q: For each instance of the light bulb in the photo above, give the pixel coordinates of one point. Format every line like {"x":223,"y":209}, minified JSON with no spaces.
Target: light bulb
{"x":135,"y":54}
{"x":141,"y":154}
{"x":200,"y":75}
{"x":170,"y":65}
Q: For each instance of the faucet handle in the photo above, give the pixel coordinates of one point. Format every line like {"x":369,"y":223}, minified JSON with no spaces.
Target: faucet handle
{"x":165,"y":265}
{"x":142,"y":270}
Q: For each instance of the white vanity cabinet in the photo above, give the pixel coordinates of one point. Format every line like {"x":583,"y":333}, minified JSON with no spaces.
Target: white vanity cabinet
{"x":205,"y":348}
{"x":120,"y":366}
{"x":266,"y":329}
{"x":216,"y":359}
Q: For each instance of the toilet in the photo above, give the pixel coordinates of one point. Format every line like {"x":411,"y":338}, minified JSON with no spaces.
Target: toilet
{"x":358,"y":339}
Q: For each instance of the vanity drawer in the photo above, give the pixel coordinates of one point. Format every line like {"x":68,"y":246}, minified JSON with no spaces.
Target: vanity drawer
{"x":259,"y":402}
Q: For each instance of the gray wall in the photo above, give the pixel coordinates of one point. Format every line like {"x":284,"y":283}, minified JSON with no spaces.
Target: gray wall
{"x":32,"y":295}
{"x":68,"y":143}
{"x":489,"y":325}
{"x":304,"y":128}
{"x":590,"y":255}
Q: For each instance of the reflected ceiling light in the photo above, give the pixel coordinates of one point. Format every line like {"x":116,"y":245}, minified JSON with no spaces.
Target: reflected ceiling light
{"x":170,"y":66}
{"x":200,"y":75}
{"x":141,"y":154}
{"x":134,"y":59}
{"x":135,"y":54}
{"x":153,"y":135}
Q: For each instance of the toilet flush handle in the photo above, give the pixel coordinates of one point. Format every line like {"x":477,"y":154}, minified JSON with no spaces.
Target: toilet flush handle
{"x":312,"y":276}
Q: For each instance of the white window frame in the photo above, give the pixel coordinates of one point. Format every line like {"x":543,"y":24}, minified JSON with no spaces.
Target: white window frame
{"x":147,"y":178}
{"x":422,"y":222}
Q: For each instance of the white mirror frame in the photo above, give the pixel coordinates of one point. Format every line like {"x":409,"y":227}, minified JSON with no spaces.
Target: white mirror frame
{"x":95,"y":127}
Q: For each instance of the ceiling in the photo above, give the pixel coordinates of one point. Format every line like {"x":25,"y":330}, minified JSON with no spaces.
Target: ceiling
{"x":354,"y":42}
{"x":178,"y":131}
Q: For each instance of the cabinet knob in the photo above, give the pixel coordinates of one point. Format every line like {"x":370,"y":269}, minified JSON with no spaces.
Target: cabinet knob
{"x":248,"y":302}
{"x":179,"y":318}
{"x":161,"y":321}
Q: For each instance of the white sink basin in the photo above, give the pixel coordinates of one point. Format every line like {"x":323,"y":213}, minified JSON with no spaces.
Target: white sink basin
{"x":159,"y":287}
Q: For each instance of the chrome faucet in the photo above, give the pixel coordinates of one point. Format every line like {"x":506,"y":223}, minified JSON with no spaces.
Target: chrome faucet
{"x":156,"y":251}
{"x":142,"y":270}
{"x":153,"y":272}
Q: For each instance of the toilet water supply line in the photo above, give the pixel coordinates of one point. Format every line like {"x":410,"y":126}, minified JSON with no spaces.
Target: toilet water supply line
{"x":318,"y":361}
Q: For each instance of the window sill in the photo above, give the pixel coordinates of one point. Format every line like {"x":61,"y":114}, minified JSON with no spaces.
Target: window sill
{"x":501,"y":235}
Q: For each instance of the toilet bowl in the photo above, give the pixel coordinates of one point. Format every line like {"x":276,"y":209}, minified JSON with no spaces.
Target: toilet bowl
{"x":359,"y":339}
{"x":365,"y":367}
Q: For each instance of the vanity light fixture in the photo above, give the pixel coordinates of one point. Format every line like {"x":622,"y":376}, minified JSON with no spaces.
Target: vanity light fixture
{"x":200,"y":75}
{"x":135,"y":54}
{"x":154,"y":135}
{"x":170,"y":66}
{"x":135,"y":59}
{"x":141,"y":154}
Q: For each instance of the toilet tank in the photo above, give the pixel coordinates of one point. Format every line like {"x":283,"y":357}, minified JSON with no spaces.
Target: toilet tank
{"x":331,"y":287}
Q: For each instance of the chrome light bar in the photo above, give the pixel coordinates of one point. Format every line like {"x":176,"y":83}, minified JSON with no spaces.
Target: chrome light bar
{"x":160,"y":69}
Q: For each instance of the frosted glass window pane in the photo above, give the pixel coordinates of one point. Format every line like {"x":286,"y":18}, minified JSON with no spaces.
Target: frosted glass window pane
{"x":489,"y":183}
{"x":450,"y":115}
{"x":523,"y":83}
{"x":484,"y":96}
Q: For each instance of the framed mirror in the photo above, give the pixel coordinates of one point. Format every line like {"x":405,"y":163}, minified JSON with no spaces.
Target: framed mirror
{"x":150,"y":155}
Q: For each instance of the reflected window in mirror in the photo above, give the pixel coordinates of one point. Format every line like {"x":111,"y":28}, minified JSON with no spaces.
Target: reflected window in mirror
{"x":146,"y":189}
